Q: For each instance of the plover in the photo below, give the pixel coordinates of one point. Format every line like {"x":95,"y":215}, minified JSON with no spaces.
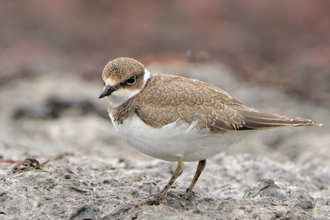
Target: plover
{"x":174,"y":118}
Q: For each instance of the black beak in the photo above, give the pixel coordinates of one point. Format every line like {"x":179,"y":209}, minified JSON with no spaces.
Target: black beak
{"x":107,"y":91}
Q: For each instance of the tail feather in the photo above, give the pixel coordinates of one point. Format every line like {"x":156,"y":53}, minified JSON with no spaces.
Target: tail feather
{"x":262,"y":120}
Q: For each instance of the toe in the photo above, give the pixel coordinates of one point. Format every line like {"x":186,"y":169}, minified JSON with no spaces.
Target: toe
{"x":189,"y":194}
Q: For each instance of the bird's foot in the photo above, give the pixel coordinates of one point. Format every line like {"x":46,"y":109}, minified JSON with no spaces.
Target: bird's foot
{"x":190,"y":195}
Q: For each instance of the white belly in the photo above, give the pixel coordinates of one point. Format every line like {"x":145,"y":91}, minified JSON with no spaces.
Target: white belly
{"x":175,"y":140}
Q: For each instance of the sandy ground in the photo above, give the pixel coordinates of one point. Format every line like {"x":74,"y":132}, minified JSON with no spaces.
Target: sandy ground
{"x":81,"y":169}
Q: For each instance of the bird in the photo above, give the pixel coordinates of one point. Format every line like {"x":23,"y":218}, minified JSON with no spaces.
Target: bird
{"x":174,"y":118}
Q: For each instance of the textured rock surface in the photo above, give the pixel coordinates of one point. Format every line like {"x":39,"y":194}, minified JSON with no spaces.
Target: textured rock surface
{"x":86,"y":171}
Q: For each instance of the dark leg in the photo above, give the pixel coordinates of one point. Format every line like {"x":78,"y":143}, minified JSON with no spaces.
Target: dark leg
{"x":175,"y":175}
{"x":200,"y":168}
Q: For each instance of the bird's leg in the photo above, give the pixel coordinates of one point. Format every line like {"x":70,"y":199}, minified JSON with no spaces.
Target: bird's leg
{"x":200,"y":168}
{"x":179,"y":169}
{"x":155,"y":200}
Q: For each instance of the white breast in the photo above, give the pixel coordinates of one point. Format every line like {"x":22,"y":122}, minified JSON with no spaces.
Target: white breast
{"x":175,"y":140}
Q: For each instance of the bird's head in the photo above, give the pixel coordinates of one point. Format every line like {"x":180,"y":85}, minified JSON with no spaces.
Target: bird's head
{"x":123,"y":79}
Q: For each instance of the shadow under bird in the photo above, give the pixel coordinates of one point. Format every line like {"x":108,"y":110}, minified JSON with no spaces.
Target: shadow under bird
{"x":179,"y":119}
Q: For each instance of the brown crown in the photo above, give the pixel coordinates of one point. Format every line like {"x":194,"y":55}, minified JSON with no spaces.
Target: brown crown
{"x":121,"y":66}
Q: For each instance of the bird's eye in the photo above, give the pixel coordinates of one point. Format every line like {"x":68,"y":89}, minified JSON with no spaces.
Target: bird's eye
{"x":131,"y":81}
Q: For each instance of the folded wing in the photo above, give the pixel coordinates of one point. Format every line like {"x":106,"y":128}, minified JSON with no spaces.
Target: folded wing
{"x":177,"y":98}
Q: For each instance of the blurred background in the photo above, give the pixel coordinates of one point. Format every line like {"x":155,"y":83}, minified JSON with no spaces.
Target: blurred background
{"x":281,"y":43}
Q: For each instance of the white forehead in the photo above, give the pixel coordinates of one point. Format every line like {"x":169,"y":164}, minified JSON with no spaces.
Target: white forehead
{"x":112,"y":82}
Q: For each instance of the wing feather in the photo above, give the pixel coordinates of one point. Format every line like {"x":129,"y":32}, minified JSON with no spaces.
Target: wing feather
{"x":174,"y":98}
